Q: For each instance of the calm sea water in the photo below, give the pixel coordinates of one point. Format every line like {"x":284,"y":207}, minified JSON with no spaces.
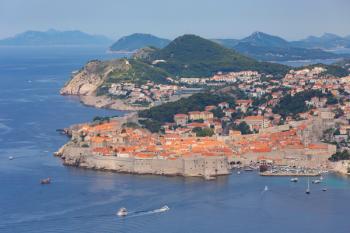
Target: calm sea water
{"x":309,"y":62}
{"x":86,"y":201}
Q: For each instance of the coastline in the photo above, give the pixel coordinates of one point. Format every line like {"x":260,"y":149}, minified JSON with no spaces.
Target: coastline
{"x":106,"y":102}
{"x":208,"y":168}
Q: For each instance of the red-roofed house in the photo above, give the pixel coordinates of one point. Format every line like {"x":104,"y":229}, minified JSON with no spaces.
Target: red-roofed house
{"x":181,"y":119}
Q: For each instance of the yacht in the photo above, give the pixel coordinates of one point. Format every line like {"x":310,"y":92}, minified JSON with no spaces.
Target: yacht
{"x":294,"y":179}
{"x":316,"y":181}
{"x":122,"y":212}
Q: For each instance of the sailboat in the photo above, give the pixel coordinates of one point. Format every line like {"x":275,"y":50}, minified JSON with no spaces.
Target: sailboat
{"x":308,"y":186}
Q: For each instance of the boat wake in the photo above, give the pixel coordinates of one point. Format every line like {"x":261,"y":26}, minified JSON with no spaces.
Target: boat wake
{"x":145,"y":212}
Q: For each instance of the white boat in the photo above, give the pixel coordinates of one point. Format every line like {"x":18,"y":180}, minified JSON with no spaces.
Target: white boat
{"x":316,"y":181}
{"x":324,"y":189}
{"x":308,"y":186}
{"x":266,"y":188}
{"x":45,"y":181}
{"x":321,"y":177}
{"x":238,"y":172}
{"x":11,"y":158}
{"x":122,"y":212}
{"x":294,"y":179}
{"x":164,"y":208}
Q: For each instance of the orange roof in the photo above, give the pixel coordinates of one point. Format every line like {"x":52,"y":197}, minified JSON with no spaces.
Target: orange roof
{"x":318,"y":146}
{"x":252,"y":118}
{"x":99,"y":139}
{"x":180,"y":115}
{"x":243,"y":101}
{"x":103,"y":150}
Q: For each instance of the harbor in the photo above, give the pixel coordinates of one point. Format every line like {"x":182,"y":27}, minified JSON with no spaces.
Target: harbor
{"x":290,"y":171}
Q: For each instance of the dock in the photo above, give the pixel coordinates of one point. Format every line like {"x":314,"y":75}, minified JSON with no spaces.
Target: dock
{"x":288,"y":174}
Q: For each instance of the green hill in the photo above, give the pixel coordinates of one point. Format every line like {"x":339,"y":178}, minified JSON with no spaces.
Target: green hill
{"x":193,"y":56}
{"x":137,"y":41}
{"x":186,"y":56}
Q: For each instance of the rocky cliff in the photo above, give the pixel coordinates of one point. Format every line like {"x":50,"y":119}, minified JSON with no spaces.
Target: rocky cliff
{"x":93,"y":75}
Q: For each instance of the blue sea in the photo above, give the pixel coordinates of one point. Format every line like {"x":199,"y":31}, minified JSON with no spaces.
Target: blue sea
{"x":84,"y":201}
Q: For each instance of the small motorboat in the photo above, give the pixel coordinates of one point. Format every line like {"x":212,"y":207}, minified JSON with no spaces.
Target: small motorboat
{"x":164,"y":208}
{"x":316,"y":181}
{"x":266,"y":188}
{"x":11,"y":157}
{"x":238,"y":172}
{"x":324,"y":189}
{"x":46,"y":181}
{"x":122,"y":212}
{"x":294,"y":179}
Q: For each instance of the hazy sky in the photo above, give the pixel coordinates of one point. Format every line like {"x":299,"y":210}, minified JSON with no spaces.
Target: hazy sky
{"x":292,"y":19}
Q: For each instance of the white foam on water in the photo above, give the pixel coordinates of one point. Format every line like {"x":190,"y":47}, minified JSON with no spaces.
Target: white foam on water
{"x":4,"y":129}
{"x":143,"y":213}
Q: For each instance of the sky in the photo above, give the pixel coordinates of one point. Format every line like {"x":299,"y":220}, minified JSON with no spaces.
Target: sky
{"x":291,"y":19}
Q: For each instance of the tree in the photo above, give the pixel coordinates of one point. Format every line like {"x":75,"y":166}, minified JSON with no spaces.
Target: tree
{"x":203,"y":132}
{"x":291,"y":105}
{"x":153,"y":126}
{"x":243,"y":127}
{"x":344,"y":155}
{"x":218,"y":112}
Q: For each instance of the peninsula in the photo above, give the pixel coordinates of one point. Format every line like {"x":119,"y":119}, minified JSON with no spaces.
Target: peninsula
{"x":247,"y":113}
{"x":154,"y":76}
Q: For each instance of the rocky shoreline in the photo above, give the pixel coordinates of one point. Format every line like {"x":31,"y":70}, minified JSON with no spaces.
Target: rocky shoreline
{"x":341,"y":167}
{"x":106,"y":102}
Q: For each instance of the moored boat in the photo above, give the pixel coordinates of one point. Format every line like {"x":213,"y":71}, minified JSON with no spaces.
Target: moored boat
{"x":294,"y":179}
{"x":308,"y":186}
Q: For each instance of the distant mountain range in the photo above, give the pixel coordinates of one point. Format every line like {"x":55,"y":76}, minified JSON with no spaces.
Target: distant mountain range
{"x":326,"y":41}
{"x":54,"y":37}
{"x":136,"y":41}
{"x":267,"y":47}
{"x":258,"y":45}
